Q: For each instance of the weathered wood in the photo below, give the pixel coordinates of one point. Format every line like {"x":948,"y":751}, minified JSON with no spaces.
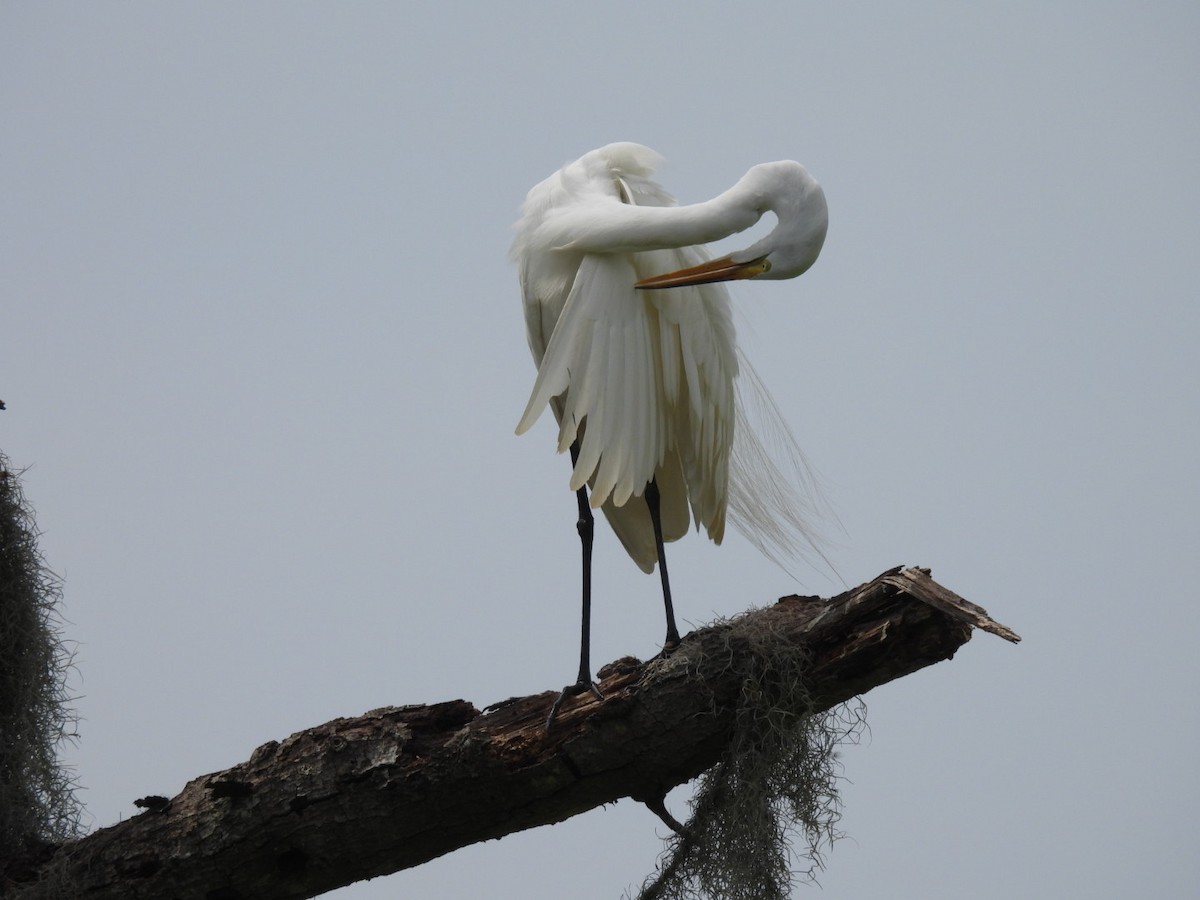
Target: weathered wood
{"x":393,"y":788}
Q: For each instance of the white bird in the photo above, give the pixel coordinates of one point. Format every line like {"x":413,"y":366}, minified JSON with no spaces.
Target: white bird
{"x":640,"y":367}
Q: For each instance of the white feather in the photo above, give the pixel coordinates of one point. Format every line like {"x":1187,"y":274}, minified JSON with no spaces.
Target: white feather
{"x":644,"y":380}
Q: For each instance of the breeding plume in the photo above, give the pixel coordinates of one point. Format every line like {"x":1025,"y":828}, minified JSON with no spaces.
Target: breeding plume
{"x":630,"y":326}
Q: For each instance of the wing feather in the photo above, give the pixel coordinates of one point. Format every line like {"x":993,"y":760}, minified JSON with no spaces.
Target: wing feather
{"x":599,"y":363}
{"x":699,"y":363}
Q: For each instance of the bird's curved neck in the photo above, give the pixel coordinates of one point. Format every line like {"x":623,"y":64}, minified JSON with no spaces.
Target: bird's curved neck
{"x":622,"y":228}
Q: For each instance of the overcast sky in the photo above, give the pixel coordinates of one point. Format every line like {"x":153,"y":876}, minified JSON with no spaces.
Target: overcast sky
{"x":263,"y":354}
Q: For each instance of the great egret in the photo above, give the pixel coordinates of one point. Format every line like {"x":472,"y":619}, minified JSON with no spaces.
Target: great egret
{"x":639,"y":367}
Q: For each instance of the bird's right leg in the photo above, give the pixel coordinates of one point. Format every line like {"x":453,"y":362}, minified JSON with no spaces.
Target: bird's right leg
{"x":652,"y":501}
{"x":586,"y":526}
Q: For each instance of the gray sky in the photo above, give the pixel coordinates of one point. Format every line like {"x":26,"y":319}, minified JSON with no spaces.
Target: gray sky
{"x":263,"y":351}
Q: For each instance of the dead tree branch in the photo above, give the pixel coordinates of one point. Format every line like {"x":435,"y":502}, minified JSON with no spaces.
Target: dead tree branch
{"x":369,"y":795}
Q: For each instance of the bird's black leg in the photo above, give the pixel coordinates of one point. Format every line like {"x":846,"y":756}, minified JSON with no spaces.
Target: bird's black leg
{"x":652,"y":500}
{"x":586,"y":526}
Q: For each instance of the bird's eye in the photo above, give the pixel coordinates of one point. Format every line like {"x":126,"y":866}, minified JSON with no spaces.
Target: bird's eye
{"x":766,"y":265}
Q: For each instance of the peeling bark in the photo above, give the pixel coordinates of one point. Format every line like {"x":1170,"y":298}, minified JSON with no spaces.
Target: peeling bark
{"x":365,"y":796}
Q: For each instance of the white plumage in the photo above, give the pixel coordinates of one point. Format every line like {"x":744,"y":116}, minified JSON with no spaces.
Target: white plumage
{"x":644,"y":380}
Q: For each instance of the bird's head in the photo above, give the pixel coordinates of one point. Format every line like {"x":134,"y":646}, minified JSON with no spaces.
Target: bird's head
{"x":786,"y":189}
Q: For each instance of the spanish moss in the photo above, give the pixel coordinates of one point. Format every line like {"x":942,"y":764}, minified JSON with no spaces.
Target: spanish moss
{"x":37,"y":794}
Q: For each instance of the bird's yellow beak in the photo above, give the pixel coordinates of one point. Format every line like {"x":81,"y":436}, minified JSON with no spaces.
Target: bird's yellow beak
{"x":723,"y":269}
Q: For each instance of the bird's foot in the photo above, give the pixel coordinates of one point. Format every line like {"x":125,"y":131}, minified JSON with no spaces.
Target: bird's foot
{"x":669,"y":647}
{"x":571,"y":690}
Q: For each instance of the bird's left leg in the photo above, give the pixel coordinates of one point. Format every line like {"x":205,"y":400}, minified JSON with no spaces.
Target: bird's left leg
{"x":586,"y":526}
{"x":652,"y":500}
